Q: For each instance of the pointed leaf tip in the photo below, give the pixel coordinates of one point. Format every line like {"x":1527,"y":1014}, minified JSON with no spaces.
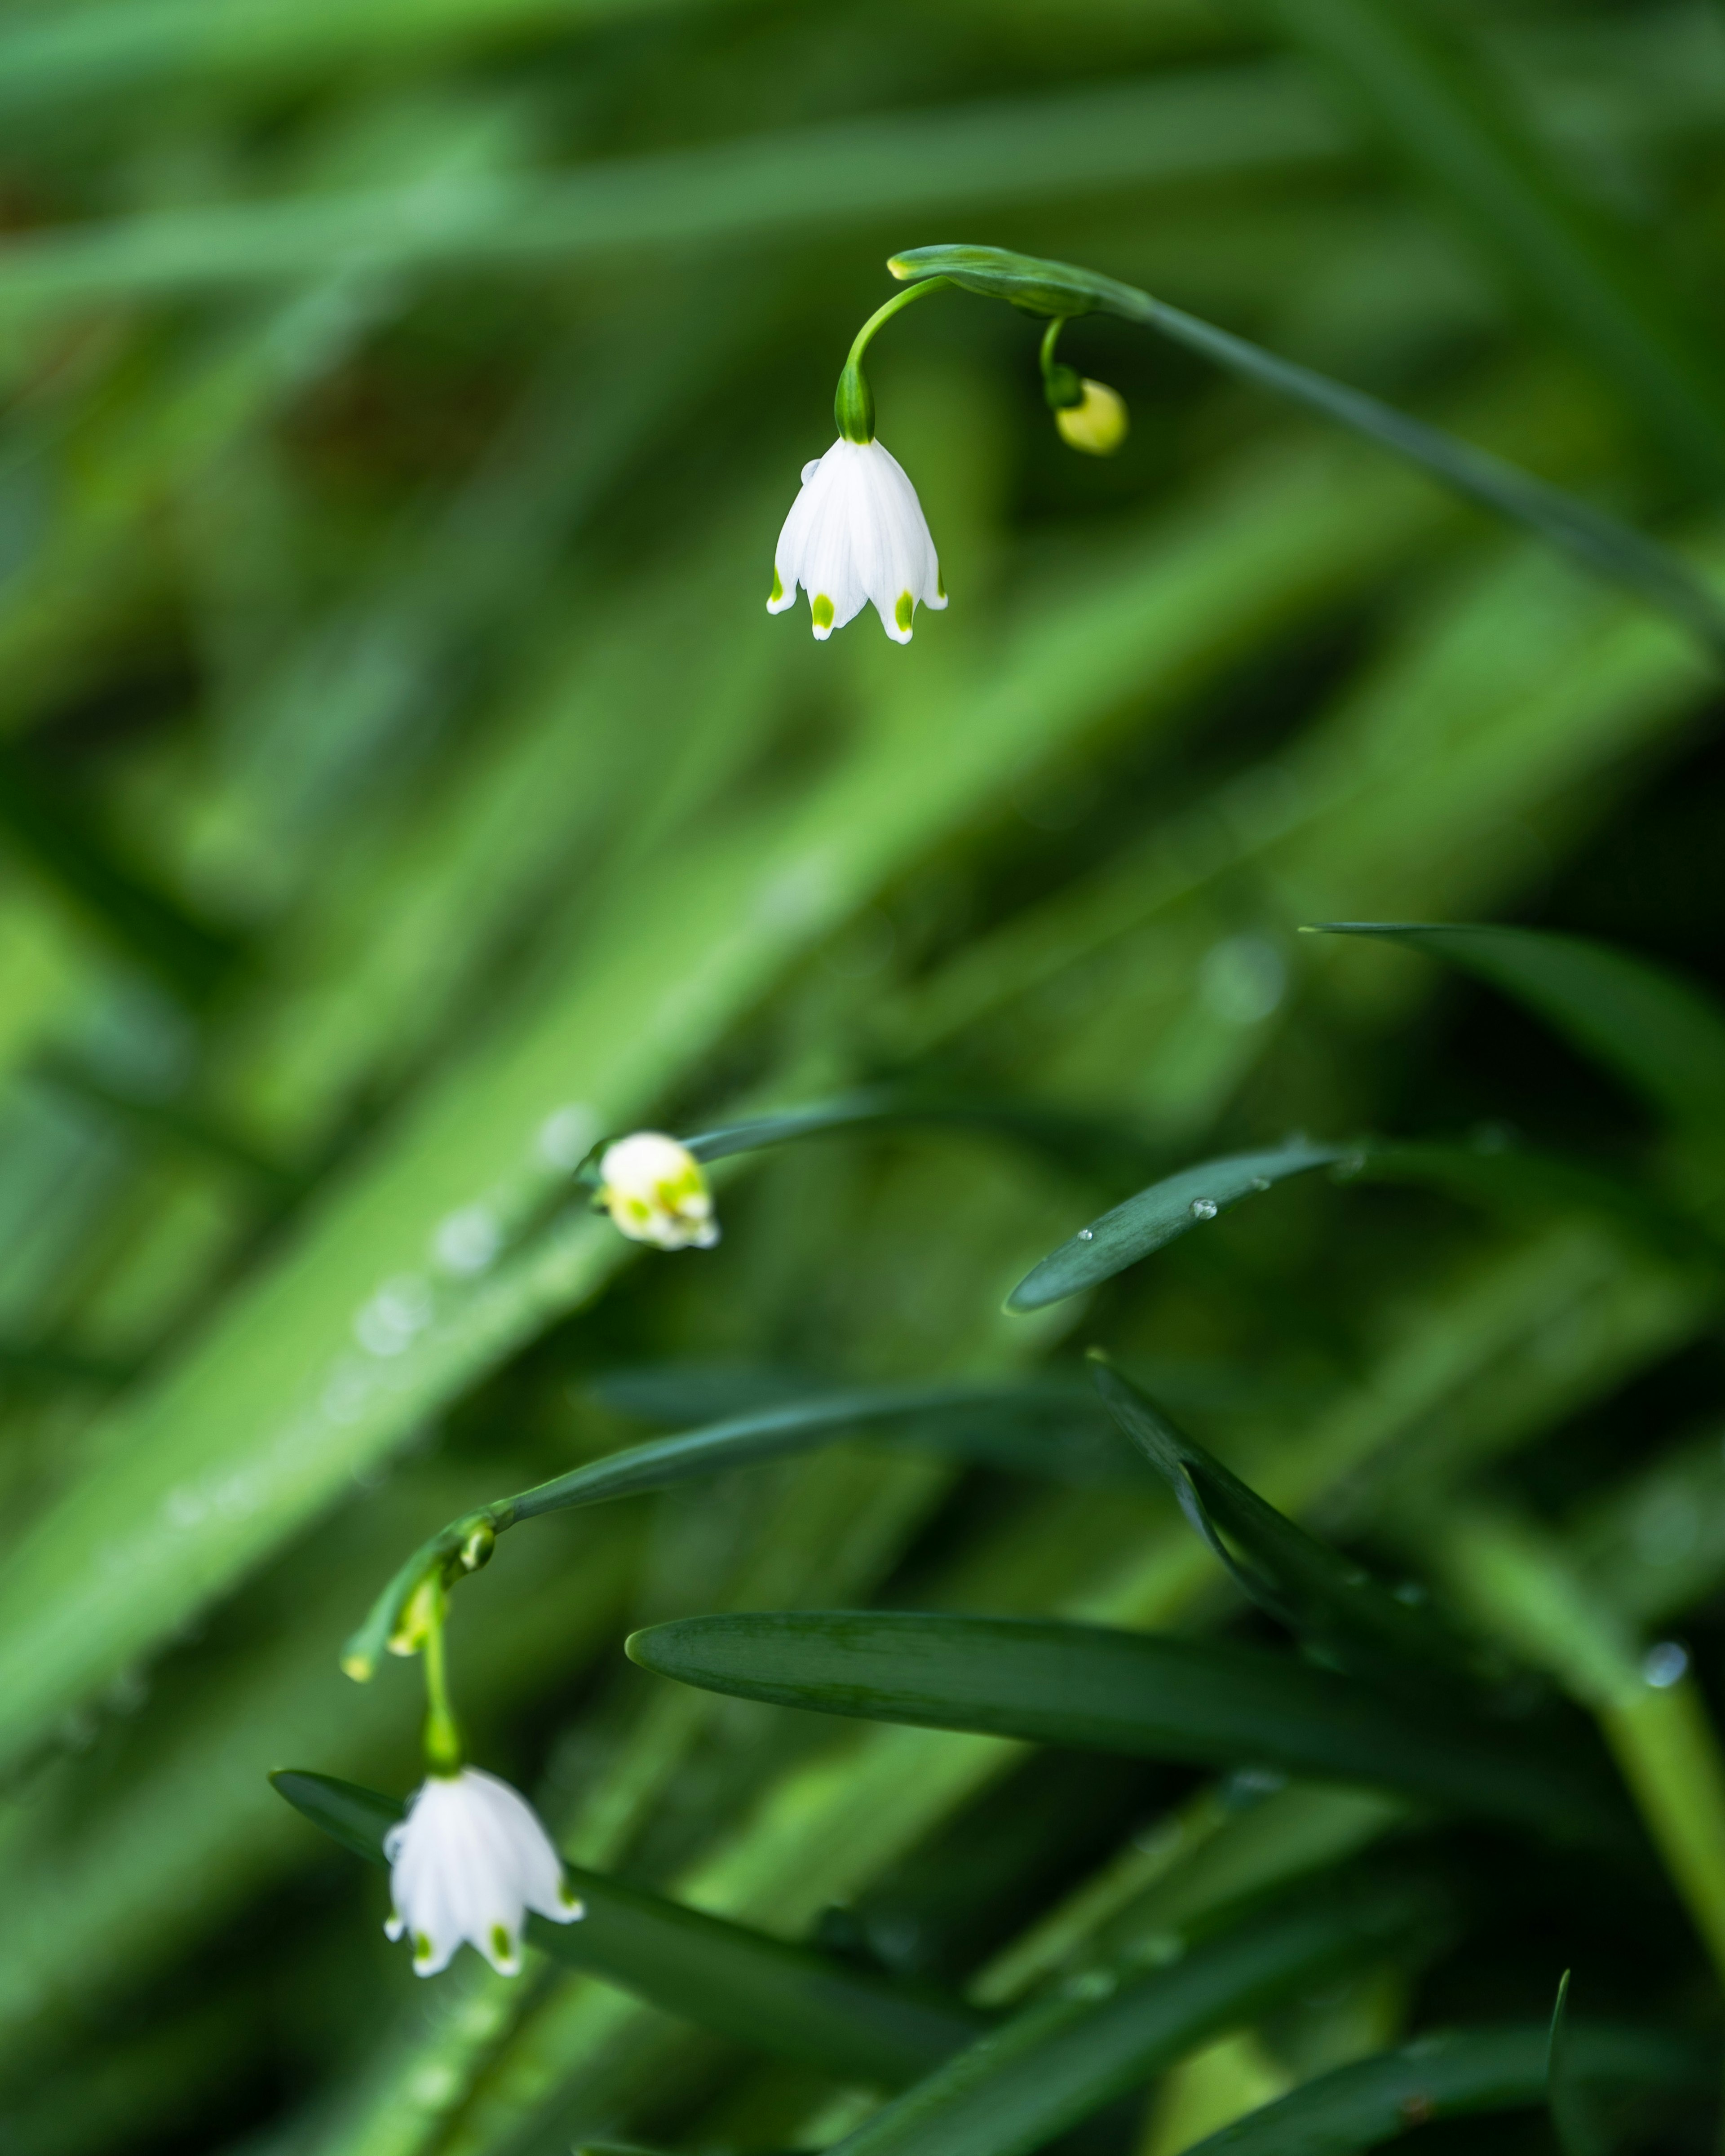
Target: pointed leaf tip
{"x":1145,"y":1222}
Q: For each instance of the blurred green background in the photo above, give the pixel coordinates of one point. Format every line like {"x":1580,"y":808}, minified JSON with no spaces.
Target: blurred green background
{"x":402,"y":784}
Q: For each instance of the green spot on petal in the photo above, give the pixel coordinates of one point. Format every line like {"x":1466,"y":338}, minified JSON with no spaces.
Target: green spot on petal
{"x":501,"y":1944}
{"x":940,"y":585}
{"x":421,"y":1947}
{"x":777,"y":592}
{"x":822,"y":609}
{"x":902,"y":612}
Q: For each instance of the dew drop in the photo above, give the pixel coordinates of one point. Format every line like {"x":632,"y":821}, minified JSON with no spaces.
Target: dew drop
{"x":1664,"y":1664}
{"x":1086,"y":1234}
{"x":1261,"y":1182}
{"x":1204,"y":1209}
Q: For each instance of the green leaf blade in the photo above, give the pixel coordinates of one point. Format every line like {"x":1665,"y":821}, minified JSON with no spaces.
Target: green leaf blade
{"x":1154,"y":1218}
{"x":1320,"y":1594}
{"x":1086,"y":1688}
{"x":1068,"y":2056}
{"x":1459,"y":2073}
{"x":1663,"y":1037}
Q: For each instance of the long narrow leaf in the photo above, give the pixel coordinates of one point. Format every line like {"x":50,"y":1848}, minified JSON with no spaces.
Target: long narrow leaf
{"x":739,"y":1441}
{"x":788,"y":2001}
{"x":1068,"y":2056}
{"x":1156,"y":1216}
{"x":1146,"y":1695}
{"x":1662,"y":1035}
{"x":1458,"y":2074}
{"x":1312,"y":1588}
{"x":1610,"y":549}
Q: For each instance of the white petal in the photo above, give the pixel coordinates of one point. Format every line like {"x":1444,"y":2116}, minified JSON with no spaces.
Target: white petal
{"x":467,"y":1862}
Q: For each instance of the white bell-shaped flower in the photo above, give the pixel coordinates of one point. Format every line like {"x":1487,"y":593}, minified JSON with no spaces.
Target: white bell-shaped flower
{"x":856,"y":533}
{"x":654,"y":1191}
{"x":468,"y":1862}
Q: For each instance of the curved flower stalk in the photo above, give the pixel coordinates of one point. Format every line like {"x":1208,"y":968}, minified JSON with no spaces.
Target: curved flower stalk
{"x":653,"y":1187}
{"x":468,"y":1862}
{"x":1089,"y":415}
{"x":470,"y":1859}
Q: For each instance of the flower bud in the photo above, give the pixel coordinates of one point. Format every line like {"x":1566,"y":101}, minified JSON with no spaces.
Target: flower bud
{"x":423,"y":1609}
{"x":1097,"y":422}
{"x":654,"y":1191}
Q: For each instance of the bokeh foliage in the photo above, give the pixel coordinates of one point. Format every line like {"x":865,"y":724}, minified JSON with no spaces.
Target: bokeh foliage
{"x":402,"y":784}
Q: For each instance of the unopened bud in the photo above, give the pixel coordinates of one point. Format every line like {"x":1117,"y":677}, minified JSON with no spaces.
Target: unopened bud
{"x":476,"y":1549}
{"x":1097,"y":422}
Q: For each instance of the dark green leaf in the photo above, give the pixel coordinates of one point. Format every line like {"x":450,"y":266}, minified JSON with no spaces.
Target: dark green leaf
{"x":1324,"y":1597}
{"x":1654,"y":1029}
{"x":1156,"y":1216}
{"x":739,"y":1441}
{"x":788,"y":2000}
{"x":1462,"y":2072}
{"x":1612,"y":550}
{"x":1086,"y":1141}
{"x":1107,"y":2033}
{"x":1195,"y":1701}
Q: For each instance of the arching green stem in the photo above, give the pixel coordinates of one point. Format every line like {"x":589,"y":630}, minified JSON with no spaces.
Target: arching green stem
{"x":854,"y":401}
{"x":1062,"y":386}
{"x":442,"y":1735}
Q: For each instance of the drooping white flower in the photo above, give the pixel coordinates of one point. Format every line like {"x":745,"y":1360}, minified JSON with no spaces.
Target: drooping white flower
{"x":654,"y":1189}
{"x":856,"y":533}
{"x":468,"y":1862}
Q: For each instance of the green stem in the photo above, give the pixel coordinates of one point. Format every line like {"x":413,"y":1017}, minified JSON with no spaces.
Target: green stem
{"x":854,"y":401}
{"x":442,"y":1735}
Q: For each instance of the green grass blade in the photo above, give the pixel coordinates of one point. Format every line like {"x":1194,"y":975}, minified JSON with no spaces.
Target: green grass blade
{"x":1459,"y":2073}
{"x":1436,"y":111}
{"x":1150,"y":1696}
{"x":1323,"y":1596}
{"x":1156,"y":1216}
{"x":1610,"y":549}
{"x":1066,"y":2058}
{"x":739,"y":1441}
{"x":1656,"y":1032}
{"x":787,"y":2000}
{"x":1084,"y":1139}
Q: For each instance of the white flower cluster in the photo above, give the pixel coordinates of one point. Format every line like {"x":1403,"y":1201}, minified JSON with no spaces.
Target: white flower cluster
{"x":468,"y":1862}
{"x":856,"y":533}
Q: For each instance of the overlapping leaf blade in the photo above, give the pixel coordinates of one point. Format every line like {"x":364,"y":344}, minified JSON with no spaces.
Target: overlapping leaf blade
{"x":1147,"y":1695}
{"x":1459,"y":2073}
{"x":1061,"y":2061}
{"x":1323,"y":1596}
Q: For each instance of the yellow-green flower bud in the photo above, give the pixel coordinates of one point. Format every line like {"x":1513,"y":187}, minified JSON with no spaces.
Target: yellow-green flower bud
{"x":1097,"y":423}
